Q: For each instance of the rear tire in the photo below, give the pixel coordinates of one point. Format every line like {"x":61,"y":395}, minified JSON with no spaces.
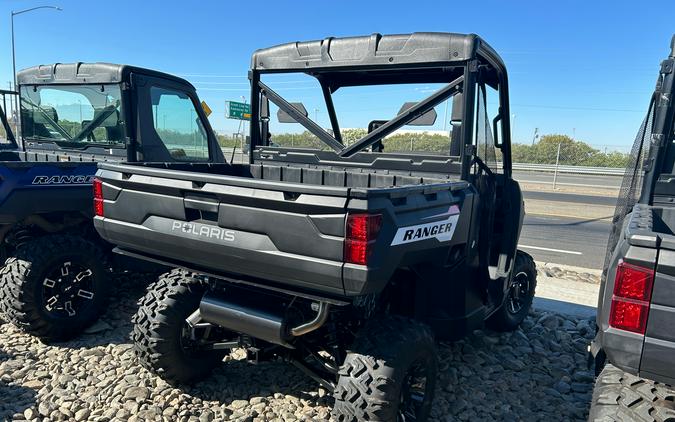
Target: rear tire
{"x":159,"y":324}
{"x":619,"y":396}
{"x":519,"y":298}
{"x":392,"y":361}
{"x":38,"y":286}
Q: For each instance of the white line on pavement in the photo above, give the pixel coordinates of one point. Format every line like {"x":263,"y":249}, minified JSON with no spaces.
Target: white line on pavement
{"x":539,"y":248}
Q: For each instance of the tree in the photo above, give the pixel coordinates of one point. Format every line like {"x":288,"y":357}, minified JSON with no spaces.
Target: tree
{"x":574,"y":153}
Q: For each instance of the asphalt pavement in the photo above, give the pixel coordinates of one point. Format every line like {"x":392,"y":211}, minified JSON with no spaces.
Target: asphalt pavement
{"x":570,"y":198}
{"x":567,"y":241}
{"x":564,"y":179}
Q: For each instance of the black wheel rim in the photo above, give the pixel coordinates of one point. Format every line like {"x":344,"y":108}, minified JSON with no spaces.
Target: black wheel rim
{"x":413,"y":394}
{"x":518,"y":293}
{"x":68,"y":290}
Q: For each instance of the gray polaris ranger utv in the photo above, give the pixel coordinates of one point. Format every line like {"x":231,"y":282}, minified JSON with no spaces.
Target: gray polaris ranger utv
{"x":345,"y":254}
{"x":55,"y":280}
{"x":636,"y":308}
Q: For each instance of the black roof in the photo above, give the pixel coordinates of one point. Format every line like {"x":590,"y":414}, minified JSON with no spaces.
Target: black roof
{"x":85,"y":73}
{"x":376,"y":50}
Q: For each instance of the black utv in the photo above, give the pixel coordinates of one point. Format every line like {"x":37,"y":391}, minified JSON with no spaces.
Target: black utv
{"x":56,"y":275}
{"x":345,"y":255}
{"x":636,"y":310}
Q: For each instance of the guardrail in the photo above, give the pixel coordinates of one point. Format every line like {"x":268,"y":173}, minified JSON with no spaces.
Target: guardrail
{"x":552,"y":168}
{"x":542,"y":168}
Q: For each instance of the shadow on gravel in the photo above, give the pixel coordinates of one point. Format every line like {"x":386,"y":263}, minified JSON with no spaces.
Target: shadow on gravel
{"x":14,"y":399}
{"x":241,"y":380}
{"x":4,"y":356}
{"x":536,"y":373}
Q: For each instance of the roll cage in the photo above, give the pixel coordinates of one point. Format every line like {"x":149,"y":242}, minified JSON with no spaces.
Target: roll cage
{"x":460,"y":61}
{"x":660,"y":158}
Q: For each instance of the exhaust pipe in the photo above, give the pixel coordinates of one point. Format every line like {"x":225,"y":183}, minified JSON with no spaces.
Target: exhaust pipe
{"x":315,"y":324}
{"x":259,"y":323}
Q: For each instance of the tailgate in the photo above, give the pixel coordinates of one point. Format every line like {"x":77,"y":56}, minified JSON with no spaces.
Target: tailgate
{"x":283,"y":232}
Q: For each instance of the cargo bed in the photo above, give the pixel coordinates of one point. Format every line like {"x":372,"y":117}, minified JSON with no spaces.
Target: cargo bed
{"x":279,"y":224}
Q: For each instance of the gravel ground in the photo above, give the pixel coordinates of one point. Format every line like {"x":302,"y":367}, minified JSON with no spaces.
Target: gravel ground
{"x":536,"y":373}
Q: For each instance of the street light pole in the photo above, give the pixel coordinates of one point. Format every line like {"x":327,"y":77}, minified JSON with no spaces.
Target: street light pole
{"x":16,"y":98}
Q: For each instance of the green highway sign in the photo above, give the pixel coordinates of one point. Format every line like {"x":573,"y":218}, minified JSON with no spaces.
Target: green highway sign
{"x":237,"y":110}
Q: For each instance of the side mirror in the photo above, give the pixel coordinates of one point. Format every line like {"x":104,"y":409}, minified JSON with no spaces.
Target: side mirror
{"x":427,"y":119}
{"x":284,"y":117}
{"x":111,"y":120}
{"x":45,"y":115}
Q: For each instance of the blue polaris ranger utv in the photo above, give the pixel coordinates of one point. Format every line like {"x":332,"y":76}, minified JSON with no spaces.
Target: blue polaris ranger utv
{"x":53,"y":283}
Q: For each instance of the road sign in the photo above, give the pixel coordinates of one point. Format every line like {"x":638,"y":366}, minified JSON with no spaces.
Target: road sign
{"x":207,"y":109}
{"x":237,"y":110}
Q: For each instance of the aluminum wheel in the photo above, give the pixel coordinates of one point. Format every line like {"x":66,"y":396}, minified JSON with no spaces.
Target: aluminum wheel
{"x":68,"y":290}
{"x":518,"y":293}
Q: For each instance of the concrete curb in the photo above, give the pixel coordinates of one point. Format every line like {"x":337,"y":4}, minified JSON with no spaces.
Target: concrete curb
{"x":568,"y":268}
{"x":569,"y":297}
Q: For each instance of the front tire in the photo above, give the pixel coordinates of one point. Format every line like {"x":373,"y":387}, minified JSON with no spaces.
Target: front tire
{"x":159,"y":329}
{"x":519,"y":297}
{"x":389,"y":374}
{"x":623,"y":397}
{"x":55,"y":286}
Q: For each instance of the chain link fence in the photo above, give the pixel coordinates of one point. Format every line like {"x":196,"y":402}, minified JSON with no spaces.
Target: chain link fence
{"x":580,"y":163}
{"x":564,"y":151}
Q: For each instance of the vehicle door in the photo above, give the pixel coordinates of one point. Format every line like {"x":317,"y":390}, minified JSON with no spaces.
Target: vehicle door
{"x":170,"y":123}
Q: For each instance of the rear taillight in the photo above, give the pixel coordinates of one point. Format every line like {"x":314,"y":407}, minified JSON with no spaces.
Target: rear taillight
{"x":361,"y":231}
{"x":632,"y":293}
{"x":98,"y":197}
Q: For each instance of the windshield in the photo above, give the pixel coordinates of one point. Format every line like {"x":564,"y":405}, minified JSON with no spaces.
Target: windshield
{"x":74,"y":115}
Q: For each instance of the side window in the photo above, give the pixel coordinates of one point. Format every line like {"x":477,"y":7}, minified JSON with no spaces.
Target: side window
{"x":488,"y":100}
{"x":178,"y":125}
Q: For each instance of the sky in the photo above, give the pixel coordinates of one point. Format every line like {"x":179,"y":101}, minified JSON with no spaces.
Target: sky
{"x":581,"y":68}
